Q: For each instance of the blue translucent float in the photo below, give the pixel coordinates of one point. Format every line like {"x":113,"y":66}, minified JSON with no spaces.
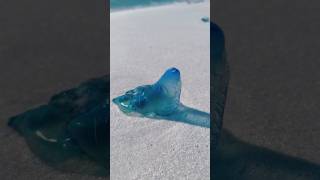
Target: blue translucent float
{"x":161,"y":100}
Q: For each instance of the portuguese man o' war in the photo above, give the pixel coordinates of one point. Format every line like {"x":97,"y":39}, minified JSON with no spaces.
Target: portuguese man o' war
{"x":161,"y":100}
{"x":71,"y":132}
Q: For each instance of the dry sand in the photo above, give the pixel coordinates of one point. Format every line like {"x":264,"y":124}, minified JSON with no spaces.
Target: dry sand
{"x":144,"y":43}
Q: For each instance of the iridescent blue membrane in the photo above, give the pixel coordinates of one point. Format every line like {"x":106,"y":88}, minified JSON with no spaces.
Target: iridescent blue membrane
{"x":161,"y":100}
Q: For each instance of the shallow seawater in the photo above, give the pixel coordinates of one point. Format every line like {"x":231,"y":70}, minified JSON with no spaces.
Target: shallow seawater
{"x":71,"y":131}
{"x":127,"y":4}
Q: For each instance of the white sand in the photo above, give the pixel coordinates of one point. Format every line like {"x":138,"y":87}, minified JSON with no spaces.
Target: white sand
{"x":144,"y":43}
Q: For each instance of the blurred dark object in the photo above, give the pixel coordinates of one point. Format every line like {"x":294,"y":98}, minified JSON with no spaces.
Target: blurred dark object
{"x":71,"y":132}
